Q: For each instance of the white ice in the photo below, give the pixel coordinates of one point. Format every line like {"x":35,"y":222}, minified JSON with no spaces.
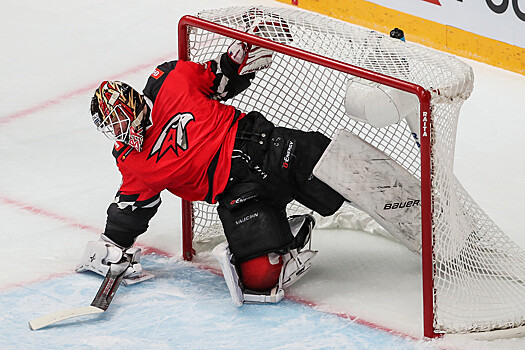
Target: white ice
{"x":58,"y":175}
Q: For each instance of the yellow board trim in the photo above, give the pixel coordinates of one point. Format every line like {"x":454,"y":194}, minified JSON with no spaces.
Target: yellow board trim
{"x":432,"y":34}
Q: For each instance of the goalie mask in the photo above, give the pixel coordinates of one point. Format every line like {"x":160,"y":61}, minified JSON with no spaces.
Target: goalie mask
{"x":118,"y":111}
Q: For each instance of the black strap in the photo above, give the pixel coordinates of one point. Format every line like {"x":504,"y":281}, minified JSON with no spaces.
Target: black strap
{"x":213,"y":165}
{"x":235,"y":118}
{"x":211,"y":173}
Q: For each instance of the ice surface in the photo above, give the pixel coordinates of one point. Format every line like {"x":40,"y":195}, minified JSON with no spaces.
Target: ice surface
{"x":183,"y":308}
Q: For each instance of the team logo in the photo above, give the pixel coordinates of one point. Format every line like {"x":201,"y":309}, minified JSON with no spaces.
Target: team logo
{"x":173,"y":136}
{"x":157,"y":73}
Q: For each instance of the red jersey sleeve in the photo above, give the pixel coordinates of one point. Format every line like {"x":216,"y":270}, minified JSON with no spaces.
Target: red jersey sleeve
{"x":202,"y":76}
{"x":132,"y":191}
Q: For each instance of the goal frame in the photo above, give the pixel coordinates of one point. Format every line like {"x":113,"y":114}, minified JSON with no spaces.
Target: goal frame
{"x":424,"y":97}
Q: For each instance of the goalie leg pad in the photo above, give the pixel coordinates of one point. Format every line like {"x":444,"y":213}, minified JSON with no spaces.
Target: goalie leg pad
{"x":223,"y":255}
{"x":264,"y":272}
{"x":298,"y":260}
{"x":252,"y":224}
{"x":376,"y":104}
{"x":274,"y":296}
{"x":261,"y":273}
{"x":264,"y":277}
{"x":374,"y":183}
{"x":296,"y":264}
{"x":135,"y":273}
{"x":238,"y":293}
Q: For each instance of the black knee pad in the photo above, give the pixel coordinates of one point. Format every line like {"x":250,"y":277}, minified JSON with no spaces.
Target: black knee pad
{"x":252,"y":223}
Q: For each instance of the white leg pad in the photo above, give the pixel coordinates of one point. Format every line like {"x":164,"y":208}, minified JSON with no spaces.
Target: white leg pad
{"x":222,"y":253}
{"x":374,"y":183}
{"x":295,"y":266}
{"x":275,"y":296}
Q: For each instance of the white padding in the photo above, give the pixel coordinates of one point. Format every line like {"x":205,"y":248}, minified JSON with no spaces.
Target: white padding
{"x":374,"y":183}
{"x":222,"y":253}
{"x":100,"y":255}
{"x":94,"y":257}
{"x":376,"y":104}
{"x":275,"y":296}
{"x":295,"y":266}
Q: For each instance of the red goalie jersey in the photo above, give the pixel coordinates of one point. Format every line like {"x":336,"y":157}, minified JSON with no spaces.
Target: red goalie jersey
{"x":187,"y":149}
{"x":187,"y":146}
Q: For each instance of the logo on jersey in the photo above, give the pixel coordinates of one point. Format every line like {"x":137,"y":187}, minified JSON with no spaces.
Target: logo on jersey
{"x":157,"y":73}
{"x":173,"y":136}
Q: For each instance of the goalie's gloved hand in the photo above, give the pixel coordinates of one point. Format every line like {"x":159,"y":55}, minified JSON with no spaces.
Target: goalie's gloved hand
{"x":251,"y":58}
{"x":267,"y":25}
{"x":272,"y":27}
{"x":99,"y":255}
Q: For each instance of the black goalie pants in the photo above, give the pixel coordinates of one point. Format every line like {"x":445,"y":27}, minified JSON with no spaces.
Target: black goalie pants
{"x":271,"y":166}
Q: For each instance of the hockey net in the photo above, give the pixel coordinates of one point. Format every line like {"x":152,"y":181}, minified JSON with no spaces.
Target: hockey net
{"x":477,"y":273}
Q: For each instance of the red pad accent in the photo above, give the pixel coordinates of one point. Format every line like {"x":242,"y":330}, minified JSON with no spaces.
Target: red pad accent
{"x":259,"y":274}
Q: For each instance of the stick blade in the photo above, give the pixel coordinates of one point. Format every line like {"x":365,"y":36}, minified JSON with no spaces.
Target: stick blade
{"x":58,"y":316}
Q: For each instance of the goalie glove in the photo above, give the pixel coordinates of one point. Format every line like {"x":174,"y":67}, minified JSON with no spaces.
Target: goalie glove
{"x":252,"y":58}
{"x":100,"y":255}
{"x":267,"y":25}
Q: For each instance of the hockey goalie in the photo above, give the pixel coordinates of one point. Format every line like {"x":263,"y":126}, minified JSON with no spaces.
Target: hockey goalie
{"x":179,"y":135}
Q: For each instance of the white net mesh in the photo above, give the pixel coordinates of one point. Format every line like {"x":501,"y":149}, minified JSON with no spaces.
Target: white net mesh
{"x":479,"y":272}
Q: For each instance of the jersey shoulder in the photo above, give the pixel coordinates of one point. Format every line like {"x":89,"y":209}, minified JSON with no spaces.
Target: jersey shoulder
{"x":157,"y":78}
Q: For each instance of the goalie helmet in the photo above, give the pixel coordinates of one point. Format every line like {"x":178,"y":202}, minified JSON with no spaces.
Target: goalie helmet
{"x":117,"y":111}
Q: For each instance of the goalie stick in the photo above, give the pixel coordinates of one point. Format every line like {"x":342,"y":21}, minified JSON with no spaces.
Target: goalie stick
{"x":100,"y":303}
